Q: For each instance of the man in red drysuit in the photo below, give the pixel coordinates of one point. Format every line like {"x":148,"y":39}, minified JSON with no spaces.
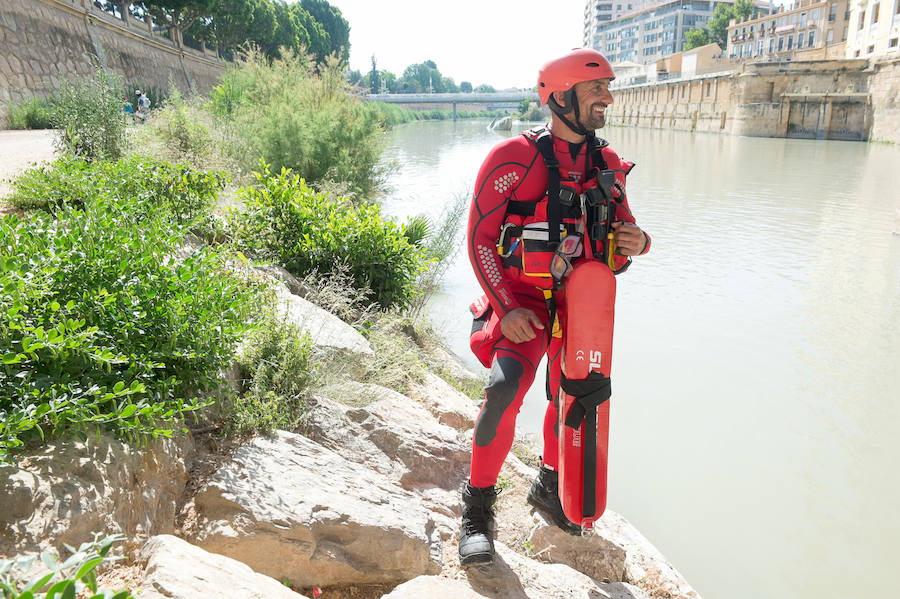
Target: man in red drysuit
{"x":517,"y":199}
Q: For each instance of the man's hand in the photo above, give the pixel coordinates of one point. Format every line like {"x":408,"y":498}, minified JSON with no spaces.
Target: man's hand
{"x":630,"y":240}
{"x":518,"y":325}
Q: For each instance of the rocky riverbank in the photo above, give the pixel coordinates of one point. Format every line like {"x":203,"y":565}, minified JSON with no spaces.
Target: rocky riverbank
{"x":364,"y":503}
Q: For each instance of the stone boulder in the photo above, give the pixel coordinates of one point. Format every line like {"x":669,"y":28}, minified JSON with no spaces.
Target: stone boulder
{"x":175,"y":569}
{"x":326,"y":330}
{"x":514,"y":576}
{"x":644,"y":563}
{"x":426,"y":587}
{"x":433,"y":454}
{"x":594,"y":555}
{"x":328,"y":425}
{"x":66,"y":490}
{"x":447,"y":404}
{"x":290,"y":508}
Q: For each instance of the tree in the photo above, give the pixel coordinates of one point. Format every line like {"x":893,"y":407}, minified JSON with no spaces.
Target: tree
{"x":177,"y":15}
{"x":465,"y":87}
{"x":484,"y":88}
{"x":389,"y":81}
{"x":374,"y":79}
{"x":694,"y":38}
{"x":722,"y":15}
{"x":422,"y":77}
{"x":334,"y":24}
{"x":354,"y":77}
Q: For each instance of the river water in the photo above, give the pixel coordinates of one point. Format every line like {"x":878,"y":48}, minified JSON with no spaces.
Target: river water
{"x":755,"y":419}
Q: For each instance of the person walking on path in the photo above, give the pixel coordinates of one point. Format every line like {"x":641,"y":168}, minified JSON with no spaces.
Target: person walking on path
{"x":526,"y":199}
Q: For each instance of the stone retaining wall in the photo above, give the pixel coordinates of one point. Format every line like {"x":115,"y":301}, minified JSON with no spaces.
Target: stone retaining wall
{"x":42,"y":41}
{"x":833,"y":99}
{"x":885,"y":90}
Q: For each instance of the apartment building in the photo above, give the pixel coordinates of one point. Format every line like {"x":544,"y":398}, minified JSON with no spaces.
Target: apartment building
{"x":874,"y":29}
{"x":600,"y":12}
{"x":800,"y":27}
{"x":651,"y":31}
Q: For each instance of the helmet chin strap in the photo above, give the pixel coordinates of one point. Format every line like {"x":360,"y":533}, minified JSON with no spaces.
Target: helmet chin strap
{"x":571,"y":105}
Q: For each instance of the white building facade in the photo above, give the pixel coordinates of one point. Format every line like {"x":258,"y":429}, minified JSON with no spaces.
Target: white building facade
{"x":874,"y":29}
{"x":649,"y":31}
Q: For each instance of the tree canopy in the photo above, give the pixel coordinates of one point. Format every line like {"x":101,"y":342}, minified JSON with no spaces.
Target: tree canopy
{"x":311,"y":25}
{"x":718,"y":23}
{"x":694,"y":38}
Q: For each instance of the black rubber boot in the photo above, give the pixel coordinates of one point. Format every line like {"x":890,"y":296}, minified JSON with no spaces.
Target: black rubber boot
{"x":476,"y":536}
{"x":544,"y":496}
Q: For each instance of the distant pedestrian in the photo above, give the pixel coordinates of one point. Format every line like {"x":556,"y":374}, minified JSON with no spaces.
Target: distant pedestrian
{"x":143,"y":105}
{"x":127,"y":109}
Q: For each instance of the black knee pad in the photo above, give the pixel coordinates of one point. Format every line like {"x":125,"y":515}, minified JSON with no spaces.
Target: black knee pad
{"x":499,"y":394}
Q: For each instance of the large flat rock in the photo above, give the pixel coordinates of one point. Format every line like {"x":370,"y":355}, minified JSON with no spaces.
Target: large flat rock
{"x":175,"y":569}
{"x":290,"y":508}
{"x":67,"y":490}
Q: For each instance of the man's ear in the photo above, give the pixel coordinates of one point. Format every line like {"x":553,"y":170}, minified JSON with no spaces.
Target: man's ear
{"x":560,"y":98}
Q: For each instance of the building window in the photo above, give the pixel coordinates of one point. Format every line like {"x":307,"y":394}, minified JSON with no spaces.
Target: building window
{"x":892,"y":43}
{"x":771,"y":45}
{"x":709,"y":85}
{"x":781,"y":43}
{"x":803,"y":19}
{"x":898,"y":8}
{"x":790,"y":42}
{"x":862,"y":19}
{"x":830,"y":37}
{"x":832,"y":12}
{"x":800,"y":41}
{"x":856,"y":54}
{"x":814,"y":14}
{"x":812,"y":39}
{"x":875,"y":12}
{"x":760,"y":47}
{"x":844,"y":38}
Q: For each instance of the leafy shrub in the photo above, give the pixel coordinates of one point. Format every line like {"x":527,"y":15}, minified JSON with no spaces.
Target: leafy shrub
{"x":102,"y":327}
{"x":180,"y":130}
{"x":276,"y":373}
{"x":293,"y":117}
{"x":182,"y":192}
{"x":88,"y":113}
{"x":304,"y":230}
{"x":34,"y":113}
{"x":67,"y":577}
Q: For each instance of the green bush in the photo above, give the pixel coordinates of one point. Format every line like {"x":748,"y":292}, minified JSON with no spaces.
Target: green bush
{"x":88,"y":112}
{"x":303,"y":230}
{"x":101,"y":326}
{"x":294,"y":117}
{"x":180,"y":130}
{"x":183,"y":193}
{"x":34,"y":113}
{"x":66,"y":578}
{"x":276,"y":372}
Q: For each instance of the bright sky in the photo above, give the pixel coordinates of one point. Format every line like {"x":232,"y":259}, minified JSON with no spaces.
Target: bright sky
{"x":502,"y":43}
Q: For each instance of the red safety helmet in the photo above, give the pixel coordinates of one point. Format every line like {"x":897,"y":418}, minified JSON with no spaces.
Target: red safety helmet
{"x":581,"y":64}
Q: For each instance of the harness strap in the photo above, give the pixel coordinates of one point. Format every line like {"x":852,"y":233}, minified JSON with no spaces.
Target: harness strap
{"x":544,"y":143}
{"x":588,"y":393}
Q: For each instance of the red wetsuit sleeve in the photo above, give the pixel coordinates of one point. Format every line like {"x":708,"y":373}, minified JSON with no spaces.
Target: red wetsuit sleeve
{"x":501,"y":175}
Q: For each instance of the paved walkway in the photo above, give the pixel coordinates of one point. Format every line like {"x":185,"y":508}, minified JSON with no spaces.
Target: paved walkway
{"x":21,"y":149}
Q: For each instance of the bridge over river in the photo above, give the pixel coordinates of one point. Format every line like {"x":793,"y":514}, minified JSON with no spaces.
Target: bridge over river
{"x":488,"y":101}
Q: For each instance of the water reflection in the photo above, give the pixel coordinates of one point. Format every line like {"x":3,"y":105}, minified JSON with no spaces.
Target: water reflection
{"x":755,"y":411}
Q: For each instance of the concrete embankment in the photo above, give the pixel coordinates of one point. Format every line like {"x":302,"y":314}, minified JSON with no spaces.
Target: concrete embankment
{"x":822,"y":99}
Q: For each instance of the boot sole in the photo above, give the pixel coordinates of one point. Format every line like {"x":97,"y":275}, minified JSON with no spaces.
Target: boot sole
{"x":547,"y":511}
{"x":477,"y":559}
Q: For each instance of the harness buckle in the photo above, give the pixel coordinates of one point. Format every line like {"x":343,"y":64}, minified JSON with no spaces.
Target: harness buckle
{"x":501,"y":243}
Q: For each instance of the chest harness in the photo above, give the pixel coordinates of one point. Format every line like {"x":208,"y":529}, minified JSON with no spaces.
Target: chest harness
{"x":533,"y":243}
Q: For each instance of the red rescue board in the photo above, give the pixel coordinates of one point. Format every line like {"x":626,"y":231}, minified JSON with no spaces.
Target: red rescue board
{"x":587,"y":313}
